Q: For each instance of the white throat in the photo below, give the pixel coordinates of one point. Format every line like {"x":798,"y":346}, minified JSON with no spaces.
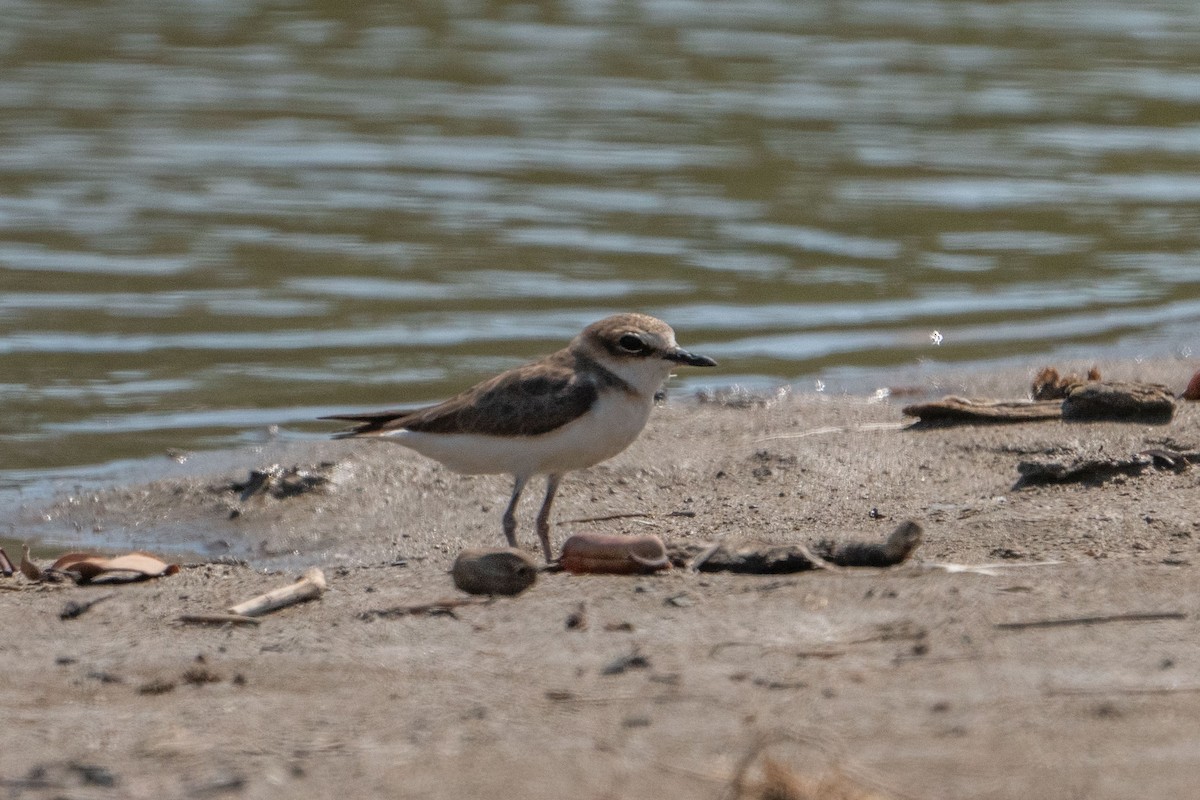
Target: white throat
{"x":644,"y":375}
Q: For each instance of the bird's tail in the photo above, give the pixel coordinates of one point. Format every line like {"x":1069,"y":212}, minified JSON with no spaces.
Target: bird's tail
{"x":365,"y":424}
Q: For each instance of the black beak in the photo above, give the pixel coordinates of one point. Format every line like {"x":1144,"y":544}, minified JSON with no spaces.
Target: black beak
{"x":684,"y":357}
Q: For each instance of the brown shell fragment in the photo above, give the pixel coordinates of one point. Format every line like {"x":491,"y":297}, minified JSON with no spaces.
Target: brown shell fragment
{"x":606,"y":553}
{"x":506,"y":571}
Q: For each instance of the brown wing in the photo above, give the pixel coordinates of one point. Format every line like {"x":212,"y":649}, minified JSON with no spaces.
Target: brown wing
{"x":526,"y":401}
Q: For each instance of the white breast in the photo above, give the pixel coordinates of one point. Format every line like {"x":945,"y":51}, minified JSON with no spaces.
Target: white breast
{"x":610,"y":426}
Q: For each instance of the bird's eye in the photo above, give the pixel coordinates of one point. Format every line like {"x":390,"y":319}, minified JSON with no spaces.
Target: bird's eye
{"x":631,"y":344}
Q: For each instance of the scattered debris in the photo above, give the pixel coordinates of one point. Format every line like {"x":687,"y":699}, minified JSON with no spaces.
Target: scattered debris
{"x":577,"y":619}
{"x":899,"y":545}
{"x":1099,"y":470}
{"x":506,"y":571}
{"x":953,"y":410}
{"x":60,"y":776}
{"x":1089,"y":470}
{"x":199,"y":675}
{"x":94,"y":775}
{"x":76,"y":608}
{"x":1119,"y":401}
{"x":438,"y":608}
{"x":779,"y":782}
{"x":606,"y":553}
{"x":105,"y":677}
{"x":281,"y":482}
{"x":634,"y":660}
{"x":218,"y":619}
{"x":1066,"y":621}
{"x":223,"y":783}
{"x":1049,"y":385}
{"x":610,"y":517}
{"x":1174,"y":460}
{"x":783,"y":559}
{"x":310,"y":586}
{"x":720,"y":647}
{"x":157,"y":686}
{"x":771,"y":560}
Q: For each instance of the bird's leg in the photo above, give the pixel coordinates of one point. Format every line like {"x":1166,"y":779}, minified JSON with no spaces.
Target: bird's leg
{"x":543,"y":517}
{"x":510,"y":513}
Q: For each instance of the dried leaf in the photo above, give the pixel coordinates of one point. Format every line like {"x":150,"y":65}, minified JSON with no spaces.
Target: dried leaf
{"x":67,"y":560}
{"x":133,"y":566}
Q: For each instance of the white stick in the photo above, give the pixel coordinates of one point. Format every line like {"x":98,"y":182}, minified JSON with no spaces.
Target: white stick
{"x":310,"y":585}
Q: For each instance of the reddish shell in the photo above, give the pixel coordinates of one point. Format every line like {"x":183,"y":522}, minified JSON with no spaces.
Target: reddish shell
{"x":613,"y":554}
{"x":1192,"y":392}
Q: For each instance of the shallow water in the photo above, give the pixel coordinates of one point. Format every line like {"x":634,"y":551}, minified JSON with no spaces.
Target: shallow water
{"x":222,"y":217}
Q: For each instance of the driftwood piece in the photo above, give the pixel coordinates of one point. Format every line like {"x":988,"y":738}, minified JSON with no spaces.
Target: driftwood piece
{"x":953,"y":410}
{"x":506,"y":571}
{"x":1115,"y":400}
{"x":311,"y":585}
{"x":1084,"y":402}
{"x":784,"y":559}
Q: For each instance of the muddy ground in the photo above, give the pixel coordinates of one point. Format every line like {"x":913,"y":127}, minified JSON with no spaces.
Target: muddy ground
{"x":909,"y":682}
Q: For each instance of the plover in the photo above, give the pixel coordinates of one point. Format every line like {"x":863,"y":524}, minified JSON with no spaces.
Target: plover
{"x":567,"y":411}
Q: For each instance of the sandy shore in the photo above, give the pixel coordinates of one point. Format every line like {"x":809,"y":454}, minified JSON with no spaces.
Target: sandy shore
{"x":912,"y":681}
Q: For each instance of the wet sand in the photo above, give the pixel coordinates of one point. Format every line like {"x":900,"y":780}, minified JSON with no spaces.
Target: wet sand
{"x":913,"y":681}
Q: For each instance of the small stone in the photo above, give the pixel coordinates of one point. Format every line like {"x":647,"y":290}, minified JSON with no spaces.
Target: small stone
{"x":507,"y":571}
